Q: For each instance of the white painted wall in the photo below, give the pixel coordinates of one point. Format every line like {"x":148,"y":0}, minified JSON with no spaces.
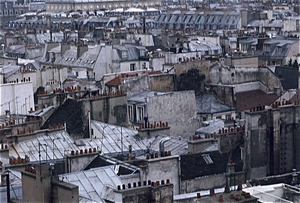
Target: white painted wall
{"x":20,"y":96}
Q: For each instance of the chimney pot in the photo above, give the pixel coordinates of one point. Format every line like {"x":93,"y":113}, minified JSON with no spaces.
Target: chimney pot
{"x":221,"y":199}
{"x":238,"y":197}
{"x":227,"y":189}
{"x":139,"y":184}
{"x":134,"y":184}
{"x":168,"y":181}
{"x":247,"y":195}
{"x":149,"y":182}
{"x":212,"y":192}
{"x":198,"y":195}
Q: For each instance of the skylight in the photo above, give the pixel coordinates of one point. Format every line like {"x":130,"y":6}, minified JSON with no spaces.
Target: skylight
{"x":207,"y":159}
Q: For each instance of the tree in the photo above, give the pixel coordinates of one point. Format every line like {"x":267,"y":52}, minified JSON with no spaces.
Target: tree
{"x":190,"y":80}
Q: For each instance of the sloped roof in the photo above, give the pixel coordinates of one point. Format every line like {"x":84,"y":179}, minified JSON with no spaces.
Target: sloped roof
{"x":115,"y":81}
{"x":247,"y":100}
{"x":288,"y":77}
{"x":96,"y":184}
{"x":194,"y":165}
{"x":208,"y":104}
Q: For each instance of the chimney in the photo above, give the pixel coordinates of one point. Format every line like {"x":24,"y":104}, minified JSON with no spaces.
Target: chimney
{"x":81,"y":49}
{"x":64,"y":47}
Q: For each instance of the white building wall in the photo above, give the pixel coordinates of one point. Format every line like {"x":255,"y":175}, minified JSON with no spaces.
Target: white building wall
{"x":29,"y":77}
{"x":18,"y":97}
{"x":103,"y":63}
{"x":58,"y":74}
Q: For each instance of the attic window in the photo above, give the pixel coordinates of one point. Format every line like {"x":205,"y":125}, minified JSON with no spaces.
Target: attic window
{"x":207,"y":159}
{"x":124,"y":54}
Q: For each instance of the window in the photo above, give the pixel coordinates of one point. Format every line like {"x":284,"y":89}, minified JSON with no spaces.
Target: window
{"x":92,"y":131}
{"x":132,"y":67}
{"x":130,"y":113}
{"x":124,"y":54}
{"x":266,"y":48}
{"x":140,"y":114}
{"x":142,"y":52}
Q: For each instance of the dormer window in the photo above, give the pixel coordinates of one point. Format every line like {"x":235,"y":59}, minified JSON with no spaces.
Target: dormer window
{"x":279,"y":49}
{"x":124,"y":54}
{"x":142,"y":52}
{"x":266,"y":48}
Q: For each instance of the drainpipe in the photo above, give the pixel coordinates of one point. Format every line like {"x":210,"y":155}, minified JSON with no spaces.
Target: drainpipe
{"x":7,"y":187}
{"x":89,"y":115}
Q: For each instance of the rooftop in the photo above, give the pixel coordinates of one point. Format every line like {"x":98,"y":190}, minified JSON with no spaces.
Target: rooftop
{"x":208,"y":104}
{"x":96,"y":184}
{"x":247,"y":100}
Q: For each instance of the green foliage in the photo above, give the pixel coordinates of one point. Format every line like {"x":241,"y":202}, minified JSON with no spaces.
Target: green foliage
{"x":191,"y":80}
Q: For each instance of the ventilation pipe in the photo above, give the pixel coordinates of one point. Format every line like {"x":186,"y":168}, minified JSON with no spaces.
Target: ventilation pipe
{"x":162,"y":145}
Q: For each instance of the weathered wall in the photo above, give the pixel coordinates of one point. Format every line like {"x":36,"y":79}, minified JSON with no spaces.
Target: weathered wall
{"x":268,"y":78}
{"x":165,"y":168}
{"x":225,"y":94}
{"x":162,"y":82}
{"x":66,"y":192}
{"x":108,"y":109}
{"x":229,"y":76}
{"x":203,"y":183}
{"x":135,"y":84}
{"x":272,"y":135}
{"x":7,"y":60}
{"x":78,"y":162}
{"x":227,"y":141}
{"x":34,"y":52}
{"x":256,"y":144}
{"x":176,"y":108}
{"x":243,"y":62}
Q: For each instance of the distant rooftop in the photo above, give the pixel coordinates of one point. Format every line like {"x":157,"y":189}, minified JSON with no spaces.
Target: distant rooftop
{"x":208,"y":104}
